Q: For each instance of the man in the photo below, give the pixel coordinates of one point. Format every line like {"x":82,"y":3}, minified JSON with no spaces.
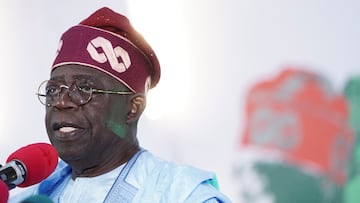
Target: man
{"x":94,"y":98}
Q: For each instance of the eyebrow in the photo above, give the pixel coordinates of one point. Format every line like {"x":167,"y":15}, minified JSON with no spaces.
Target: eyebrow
{"x":57,"y":78}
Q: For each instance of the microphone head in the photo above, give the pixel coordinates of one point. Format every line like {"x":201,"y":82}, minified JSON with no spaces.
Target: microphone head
{"x":4,"y":192}
{"x":40,"y":160}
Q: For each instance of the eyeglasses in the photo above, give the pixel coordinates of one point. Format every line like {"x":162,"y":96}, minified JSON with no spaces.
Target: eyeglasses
{"x":79,"y":92}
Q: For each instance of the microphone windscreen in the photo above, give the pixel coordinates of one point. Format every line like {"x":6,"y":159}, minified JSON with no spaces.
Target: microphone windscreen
{"x":40,"y":160}
{"x":4,"y":192}
{"x":37,"y":199}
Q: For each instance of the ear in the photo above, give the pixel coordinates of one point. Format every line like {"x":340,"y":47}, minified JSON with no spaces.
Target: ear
{"x":137,"y":106}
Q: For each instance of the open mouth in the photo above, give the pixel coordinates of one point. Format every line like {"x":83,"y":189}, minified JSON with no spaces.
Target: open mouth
{"x":66,"y":131}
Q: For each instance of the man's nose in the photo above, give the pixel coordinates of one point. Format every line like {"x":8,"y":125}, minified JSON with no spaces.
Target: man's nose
{"x":64,"y":100}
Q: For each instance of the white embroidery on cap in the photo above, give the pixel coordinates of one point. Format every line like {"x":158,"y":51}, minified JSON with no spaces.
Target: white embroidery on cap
{"x":109,"y":54}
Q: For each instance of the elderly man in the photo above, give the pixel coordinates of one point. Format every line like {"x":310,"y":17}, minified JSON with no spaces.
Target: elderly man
{"x":94,"y":98}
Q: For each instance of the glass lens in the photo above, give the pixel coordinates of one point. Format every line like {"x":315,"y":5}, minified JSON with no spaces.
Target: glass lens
{"x":80,"y":93}
{"x":48,"y":92}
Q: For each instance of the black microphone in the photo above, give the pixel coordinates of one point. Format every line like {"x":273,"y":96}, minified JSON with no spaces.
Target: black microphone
{"x":29,"y":165}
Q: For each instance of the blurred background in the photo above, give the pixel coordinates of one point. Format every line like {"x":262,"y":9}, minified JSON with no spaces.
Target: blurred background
{"x":214,"y":55}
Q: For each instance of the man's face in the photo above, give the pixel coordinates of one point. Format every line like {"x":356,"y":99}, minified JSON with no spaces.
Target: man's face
{"x":84,"y":134}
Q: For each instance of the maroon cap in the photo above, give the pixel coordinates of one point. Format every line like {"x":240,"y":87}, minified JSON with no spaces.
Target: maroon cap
{"x":107,"y":41}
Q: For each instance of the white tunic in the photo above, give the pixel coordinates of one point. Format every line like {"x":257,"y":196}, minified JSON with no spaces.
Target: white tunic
{"x":143,"y":179}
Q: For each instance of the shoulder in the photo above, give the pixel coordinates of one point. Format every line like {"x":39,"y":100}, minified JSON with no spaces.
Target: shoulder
{"x":169,"y":182}
{"x":34,"y":190}
{"x":168,"y":171}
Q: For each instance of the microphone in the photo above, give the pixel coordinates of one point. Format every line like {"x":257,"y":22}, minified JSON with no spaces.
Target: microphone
{"x":4,"y":192}
{"x":29,"y":165}
{"x":37,"y":199}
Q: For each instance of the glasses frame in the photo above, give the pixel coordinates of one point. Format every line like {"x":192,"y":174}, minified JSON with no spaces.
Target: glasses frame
{"x":67,"y":87}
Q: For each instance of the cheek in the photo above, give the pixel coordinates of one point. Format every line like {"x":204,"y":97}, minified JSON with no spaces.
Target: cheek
{"x":115,"y":120}
{"x":47,"y":120}
{"x":116,"y":128}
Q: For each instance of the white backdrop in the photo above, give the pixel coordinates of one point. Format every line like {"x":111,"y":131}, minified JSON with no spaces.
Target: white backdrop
{"x":211,"y":52}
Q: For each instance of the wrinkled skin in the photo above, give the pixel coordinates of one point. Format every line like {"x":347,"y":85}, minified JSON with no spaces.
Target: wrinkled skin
{"x":100,"y":135}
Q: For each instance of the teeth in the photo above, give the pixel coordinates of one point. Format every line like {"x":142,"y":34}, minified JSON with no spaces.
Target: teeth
{"x":67,"y":129}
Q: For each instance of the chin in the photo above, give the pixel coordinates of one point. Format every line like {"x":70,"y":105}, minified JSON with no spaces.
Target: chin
{"x":68,"y":153}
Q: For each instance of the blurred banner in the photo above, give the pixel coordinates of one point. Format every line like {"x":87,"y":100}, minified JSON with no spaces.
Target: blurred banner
{"x":352,"y":93}
{"x":296,"y":141}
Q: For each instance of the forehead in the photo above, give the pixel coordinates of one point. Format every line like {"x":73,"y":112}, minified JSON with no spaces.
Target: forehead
{"x":73,"y":71}
{"x":70,"y":72}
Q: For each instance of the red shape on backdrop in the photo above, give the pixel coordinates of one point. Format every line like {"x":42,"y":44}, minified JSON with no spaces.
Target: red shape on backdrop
{"x":298,"y":114}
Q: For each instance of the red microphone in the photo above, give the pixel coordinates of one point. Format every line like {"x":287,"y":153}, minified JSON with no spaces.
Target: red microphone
{"x":4,"y":192}
{"x":29,"y":165}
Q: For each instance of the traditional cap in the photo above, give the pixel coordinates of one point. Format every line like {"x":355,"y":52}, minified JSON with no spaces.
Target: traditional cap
{"x":107,"y":41}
